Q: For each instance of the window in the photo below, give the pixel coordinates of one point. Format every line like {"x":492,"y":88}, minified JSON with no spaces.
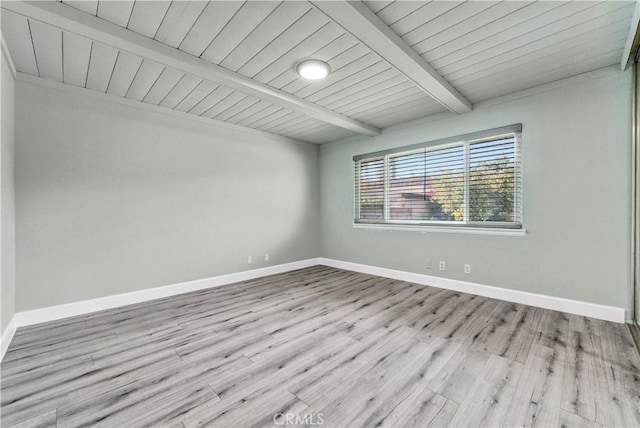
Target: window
{"x":468,"y":180}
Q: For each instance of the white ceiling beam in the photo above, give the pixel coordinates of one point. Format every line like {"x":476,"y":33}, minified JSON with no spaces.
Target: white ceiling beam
{"x":633,"y":39}
{"x":356,"y":18}
{"x":75,"y":21}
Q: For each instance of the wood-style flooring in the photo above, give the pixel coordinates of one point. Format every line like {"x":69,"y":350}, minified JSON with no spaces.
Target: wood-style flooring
{"x":322,"y":347}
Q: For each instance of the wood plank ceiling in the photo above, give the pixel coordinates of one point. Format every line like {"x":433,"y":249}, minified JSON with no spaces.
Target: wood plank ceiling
{"x":483,"y":49}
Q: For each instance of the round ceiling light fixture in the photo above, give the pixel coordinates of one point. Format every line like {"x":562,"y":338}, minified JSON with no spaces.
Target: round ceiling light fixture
{"x":313,"y":69}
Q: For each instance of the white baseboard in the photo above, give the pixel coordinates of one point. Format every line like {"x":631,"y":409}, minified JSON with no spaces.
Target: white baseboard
{"x":593,"y":310}
{"x":7,"y":335}
{"x":52,"y":313}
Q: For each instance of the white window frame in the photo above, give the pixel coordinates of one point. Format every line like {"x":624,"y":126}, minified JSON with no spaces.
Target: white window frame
{"x":465,"y":141}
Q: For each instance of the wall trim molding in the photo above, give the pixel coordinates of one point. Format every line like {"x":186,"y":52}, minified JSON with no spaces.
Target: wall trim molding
{"x":7,"y":335}
{"x":593,"y":310}
{"x":217,"y":124}
{"x":53,"y":313}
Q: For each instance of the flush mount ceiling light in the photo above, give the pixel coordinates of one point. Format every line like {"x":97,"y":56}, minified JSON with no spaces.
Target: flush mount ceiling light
{"x":313,"y":69}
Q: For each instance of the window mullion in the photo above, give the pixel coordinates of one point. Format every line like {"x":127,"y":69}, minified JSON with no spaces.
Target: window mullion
{"x":387,"y":207}
{"x":467,"y":174}
{"x":356,"y":199}
{"x":517,"y":171}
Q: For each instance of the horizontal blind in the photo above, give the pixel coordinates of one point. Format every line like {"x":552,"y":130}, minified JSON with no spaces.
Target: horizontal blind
{"x":407,"y":187}
{"x":370,"y":199}
{"x":445,"y":176}
{"x":454,"y":181}
{"x":492,"y":180}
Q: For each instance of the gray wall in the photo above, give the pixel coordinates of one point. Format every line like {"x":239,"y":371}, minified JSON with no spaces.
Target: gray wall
{"x":113,"y":199}
{"x":7,"y":207}
{"x":576,"y":150}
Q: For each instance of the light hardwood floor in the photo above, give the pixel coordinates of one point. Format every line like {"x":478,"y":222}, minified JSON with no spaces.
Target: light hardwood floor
{"x":334,"y":346}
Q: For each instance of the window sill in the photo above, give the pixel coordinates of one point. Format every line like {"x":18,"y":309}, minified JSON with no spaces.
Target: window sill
{"x":446,"y":229}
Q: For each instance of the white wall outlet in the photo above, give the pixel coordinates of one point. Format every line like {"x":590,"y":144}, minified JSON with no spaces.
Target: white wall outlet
{"x":442,"y":265}
{"x":467,"y":269}
{"x":249,"y":259}
{"x":266,"y":257}
{"x":428,"y":264}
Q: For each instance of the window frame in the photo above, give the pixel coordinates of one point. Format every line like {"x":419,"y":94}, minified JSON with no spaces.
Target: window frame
{"x":464,"y":141}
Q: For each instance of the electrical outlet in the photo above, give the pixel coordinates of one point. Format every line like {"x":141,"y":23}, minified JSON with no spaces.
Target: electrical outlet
{"x":266,"y":257}
{"x":443,"y":266}
{"x":428,"y":264}
{"x":467,"y":269}
{"x":249,"y":259}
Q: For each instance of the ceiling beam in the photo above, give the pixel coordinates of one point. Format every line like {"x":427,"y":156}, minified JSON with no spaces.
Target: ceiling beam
{"x":75,"y":21}
{"x":356,"y":18}
{"x":633,"y":39}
